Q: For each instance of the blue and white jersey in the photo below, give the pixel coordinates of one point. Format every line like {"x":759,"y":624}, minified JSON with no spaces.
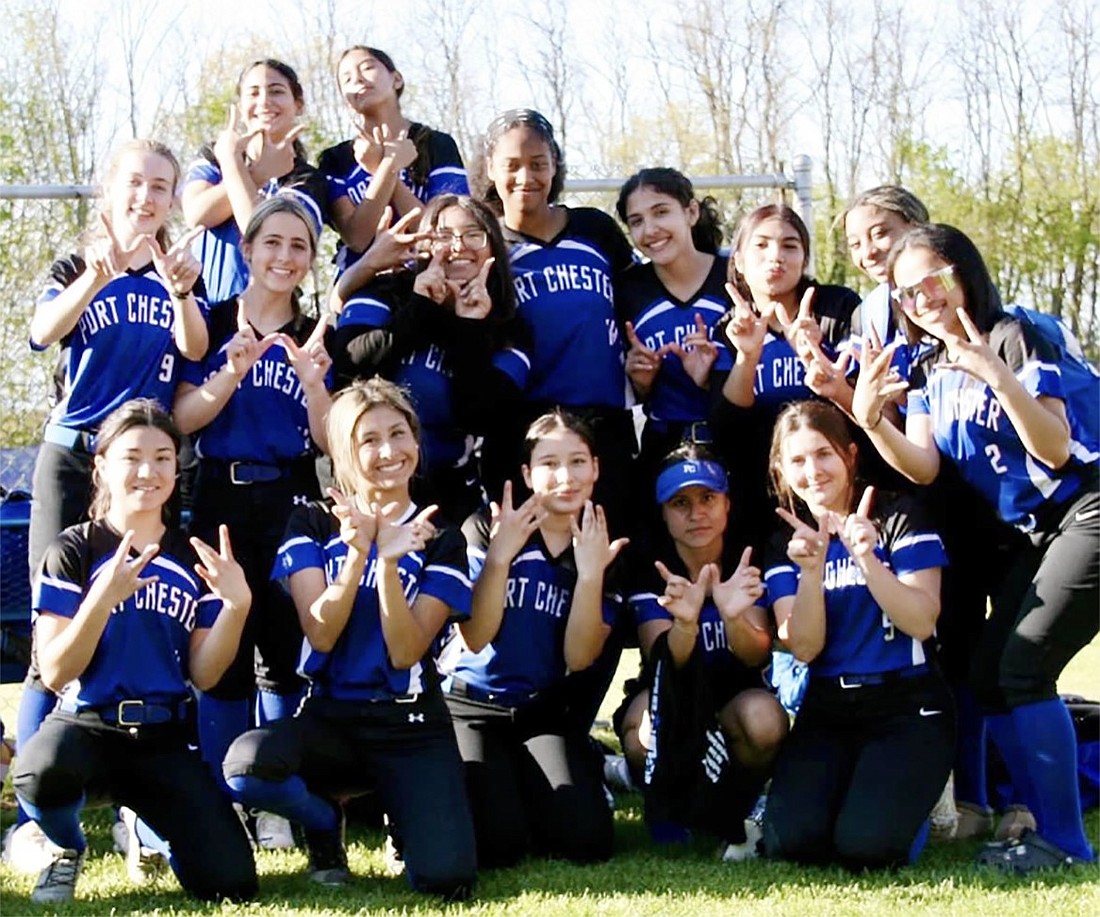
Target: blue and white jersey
{"x":527,"y":654}
{"x":565,"y":296}
{"x":266,"y":420}
{"x":218,"y":249}
{"x":660,"y":318}
{"x":970,"y":427}
{"x":876,"y":312}
{"x":438,"y":170}
{"x":860,"y":638}
{"x":144,"y":650}
{"x":358,"y":667}
{"x":121,"y":348}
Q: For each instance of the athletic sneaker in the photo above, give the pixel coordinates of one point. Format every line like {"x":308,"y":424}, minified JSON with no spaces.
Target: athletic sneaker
{"x":27,"y":849}
{"x":328,"y":860}
{"x":973,"y":821}
{"x":57,"y":883}
{"x":1015,"y":820}
{"x":616,"y":773}
{"x":747,"y":850}
{"x":143,"y":864}
{"x":944,"y":817}
{"x":1027,"y":854}
{"x":273,"y":832}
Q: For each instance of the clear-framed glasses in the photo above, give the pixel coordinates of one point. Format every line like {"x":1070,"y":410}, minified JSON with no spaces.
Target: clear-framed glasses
{"x":933,"y":286}
{"x":473,"y":239}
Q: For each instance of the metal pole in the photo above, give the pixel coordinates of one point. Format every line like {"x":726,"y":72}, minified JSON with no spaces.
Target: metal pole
{"x":44,"y":192}
{"x":803,"y":189}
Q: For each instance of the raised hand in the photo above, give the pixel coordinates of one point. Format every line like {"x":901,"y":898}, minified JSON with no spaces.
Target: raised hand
{"x":972,"y":354}
{"x":357,"y":529}
{"x":267,"y":158}
{"x":221,"y":572}
{"x":230,"y":144}
{"x":243,"y":349}
{"x":311,"y":361}
{"x":400,"y":149}
{"x":856,"y":530}
{"x":395,"y":246}
{"x":642,"y":363}
{"x":739,"y":593}
{"x":178,"y":266}
{"x":745,"y":330}
{"x":804,"y":333}
{"x":512,"y":526}
{"x":108,"y":257}
{"x":431,"y":282}
{"x":683,"y":599}
{"x":697,"y":352}
{"x":592,"y":551}
{"x":877,"y":383}
{"x":808,"y":546}
{"x":120,"y":577}
{"x":829,"y":378}
{"x":471,"y":297}
{"x":395,"y":540}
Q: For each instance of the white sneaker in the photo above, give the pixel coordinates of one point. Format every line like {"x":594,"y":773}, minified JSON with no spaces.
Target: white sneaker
{"x":616,"y":773}
{"x":143,"y":864}
{"x":27,"y":849}
{"x":273,"y":832}
{"x":57,"y":883}
{"x":944,"y":817}
{"x":739,"y":853}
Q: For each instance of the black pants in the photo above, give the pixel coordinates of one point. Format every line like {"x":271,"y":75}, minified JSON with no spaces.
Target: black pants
{"x":405,"y":751}
{"x":159,"y":777}
{"x":1044,"y":612}
{"x":62,"y":491}
{"x":257,"y":515}
{"x":534,"y":784}
{"x":860,"y":772}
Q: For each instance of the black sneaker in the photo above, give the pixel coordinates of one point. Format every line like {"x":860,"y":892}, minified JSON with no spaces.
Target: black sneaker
{"x":328,"y":860}
{"x":1027,"y":854}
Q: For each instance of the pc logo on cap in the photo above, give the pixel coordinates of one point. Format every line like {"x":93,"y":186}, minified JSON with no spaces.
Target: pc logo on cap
{"x":688,"y":473}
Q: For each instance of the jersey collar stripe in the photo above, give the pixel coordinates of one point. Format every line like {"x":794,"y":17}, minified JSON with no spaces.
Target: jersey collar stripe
{"x":522,"y":250}
{"x":291,"y":543}
{"x":448,"y":170}
{"x":786,"y":569}
{"x":55,"y":583}
{"x":367,"y":301}
{"x":521,"y":355}
{"x":909,"y":540}
{"x":582,"y":247}
{"x":534,"y":554}
{"x":167,"y":564}
{"x":449,"y":571}
{"x":642,"y":597}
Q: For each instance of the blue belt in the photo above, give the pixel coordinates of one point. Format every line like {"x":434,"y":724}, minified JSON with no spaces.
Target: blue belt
{"x":132,"y":712}
{"x":873,"y":678}
{"x":68,"y":438}
{"x":456,"y":687}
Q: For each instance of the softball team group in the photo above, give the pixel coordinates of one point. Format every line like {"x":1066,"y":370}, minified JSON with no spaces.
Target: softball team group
{"x":849,"y":483}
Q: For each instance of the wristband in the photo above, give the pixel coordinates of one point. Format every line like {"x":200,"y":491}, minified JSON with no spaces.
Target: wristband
{"x":180,"y":297}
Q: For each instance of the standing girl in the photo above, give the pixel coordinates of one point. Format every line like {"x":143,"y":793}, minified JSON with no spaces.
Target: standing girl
{"x":124,"y":628}
{"x":541,"y":608}
{"x":856,"y":597}
{"x":1014,"y":406}
{"x":256,"y":156}
{"x":257,"y":403}
{"x":391,"y":162}
{"x":671,"y":304}
{"x":373,"y":582}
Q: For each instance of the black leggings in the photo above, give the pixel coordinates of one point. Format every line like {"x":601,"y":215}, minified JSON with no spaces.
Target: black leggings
{"x":156,"y":775}
{"x":860,"y":772}
{"x":535,"y":785}
{"x":1044,"y":612}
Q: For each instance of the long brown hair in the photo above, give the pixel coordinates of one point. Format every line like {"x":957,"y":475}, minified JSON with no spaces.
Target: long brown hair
{"x":821,"y":417}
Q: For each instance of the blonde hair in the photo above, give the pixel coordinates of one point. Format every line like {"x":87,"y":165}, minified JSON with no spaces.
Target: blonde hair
{"x":137,"y":145}
{"x":348,"y":405}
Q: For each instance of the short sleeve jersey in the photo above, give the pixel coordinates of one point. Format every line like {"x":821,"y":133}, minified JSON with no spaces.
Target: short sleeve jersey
{"x":358,"y":667}
{"x":527,"y":654}
{"x":565,"y":296}
{"x":970,"y":427}
{"x":218,"y":249}
{"x":133,"y":316}
{"x":660,"y":318}
{"x":266,"y":419}
{"x":860,"y":638}
{"x":144,"y":649}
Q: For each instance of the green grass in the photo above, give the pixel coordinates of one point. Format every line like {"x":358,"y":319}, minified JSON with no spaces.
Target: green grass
{"x":639,"y":880}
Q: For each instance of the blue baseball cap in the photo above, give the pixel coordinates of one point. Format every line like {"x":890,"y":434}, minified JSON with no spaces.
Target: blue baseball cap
{"x":687,"y":473}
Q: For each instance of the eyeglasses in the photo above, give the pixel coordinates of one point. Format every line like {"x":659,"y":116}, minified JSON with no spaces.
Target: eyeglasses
{"x":473,"y":239}
{"x":933,"y":286}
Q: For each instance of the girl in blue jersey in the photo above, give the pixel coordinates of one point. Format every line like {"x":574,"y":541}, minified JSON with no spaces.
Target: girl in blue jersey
{"x":447,"y":334}
{"x":391,"y":162}
{"x":996,"y":399}
{"x":541,"y":608}
{"x":565,"y":262}
{"x":671,"y":305}
{"x":706,"y":737}
{"x":975,"y":537}
{"x":256,"y":403}
{"x":856,"y":596}
{"x":124,"y":628}
{"x":781,"y":321}
{"x":256,"y":156}
{"x":129,"y":292}
{"x":373,"y":581}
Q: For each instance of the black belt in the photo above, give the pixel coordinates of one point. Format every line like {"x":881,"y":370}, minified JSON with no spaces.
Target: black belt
{"x":873,"y":678}
{"x":128,"y":713}
{"x":511,"y":699}
{"x":687,"y":431}
{"x":255,"y":472}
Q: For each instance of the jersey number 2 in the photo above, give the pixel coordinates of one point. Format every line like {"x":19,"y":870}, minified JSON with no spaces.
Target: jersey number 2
{"x":994,"y":454}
